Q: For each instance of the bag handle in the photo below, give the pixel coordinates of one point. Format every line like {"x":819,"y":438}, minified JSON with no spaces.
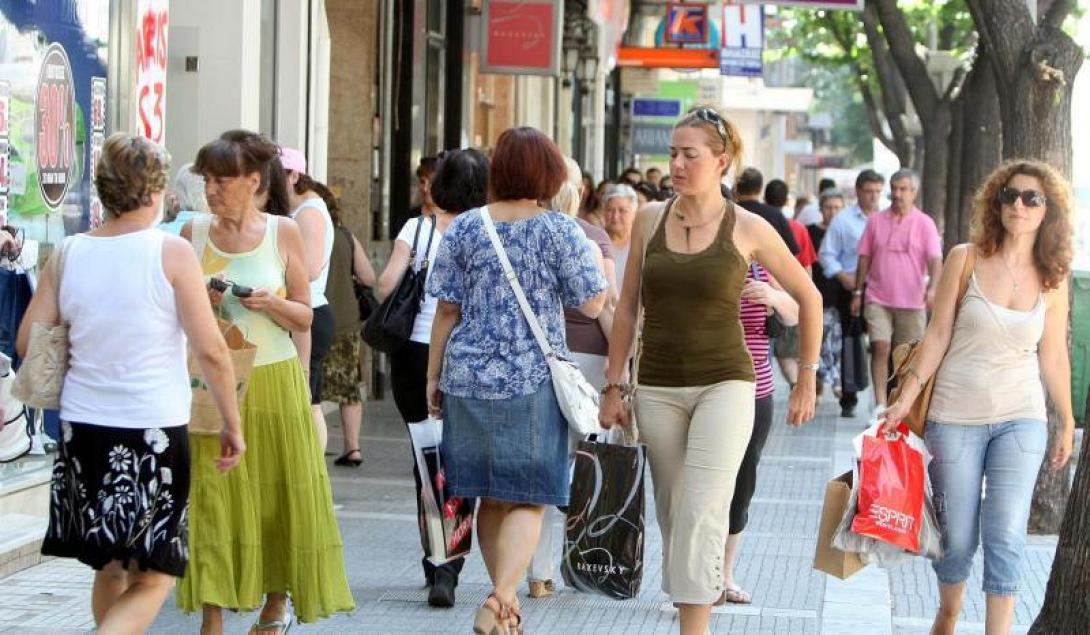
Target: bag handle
{"x":513,"y":280}
{"x":58,"y":274}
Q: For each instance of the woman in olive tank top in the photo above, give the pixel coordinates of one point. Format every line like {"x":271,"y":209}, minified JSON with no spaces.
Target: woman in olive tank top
{"x":695,"y":401}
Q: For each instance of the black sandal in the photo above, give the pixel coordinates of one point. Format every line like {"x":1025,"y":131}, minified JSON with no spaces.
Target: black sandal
{"x":344,"y":460}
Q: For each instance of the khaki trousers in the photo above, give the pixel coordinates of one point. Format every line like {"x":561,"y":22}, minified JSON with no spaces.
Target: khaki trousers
{"x":696,"y":438}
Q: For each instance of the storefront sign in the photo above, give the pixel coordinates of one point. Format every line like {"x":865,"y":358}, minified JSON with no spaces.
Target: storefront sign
{"x":98,"y":138}
{"x":521,"y":37}
{"x":55,"y":124}
{"x":743,"y":40}
{"x":151,"y":69}
{"x":651,"y":107}
{"x":686,"y":23}
{"x":651,"y":138}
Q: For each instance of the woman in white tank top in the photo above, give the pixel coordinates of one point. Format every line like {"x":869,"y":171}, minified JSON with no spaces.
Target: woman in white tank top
{"x":986,"y":425}
{"x":311,"y":212}
{"x":130,"y":295}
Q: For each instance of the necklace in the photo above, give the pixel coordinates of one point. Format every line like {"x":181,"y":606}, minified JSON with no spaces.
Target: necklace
{"x":688,"y":230}
{"x":1010,"y":273}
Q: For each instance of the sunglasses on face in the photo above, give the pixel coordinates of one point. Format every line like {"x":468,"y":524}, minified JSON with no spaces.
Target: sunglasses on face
{"x":1030,"y":198}
{"x":712,"y":117}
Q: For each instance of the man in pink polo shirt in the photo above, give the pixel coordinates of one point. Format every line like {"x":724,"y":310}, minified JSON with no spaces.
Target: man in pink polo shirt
{"x":900,"y":257}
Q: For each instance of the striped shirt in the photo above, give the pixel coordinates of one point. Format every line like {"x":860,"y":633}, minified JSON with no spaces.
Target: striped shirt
{"x":753,"y":322}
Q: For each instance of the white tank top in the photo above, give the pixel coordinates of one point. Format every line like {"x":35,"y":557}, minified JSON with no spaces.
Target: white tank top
{"x":317,"y":286}
{"x":128,"y":350}
{"x":991,"y":372}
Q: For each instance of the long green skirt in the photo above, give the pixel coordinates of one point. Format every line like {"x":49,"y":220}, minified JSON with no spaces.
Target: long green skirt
{"x":266,"y":526}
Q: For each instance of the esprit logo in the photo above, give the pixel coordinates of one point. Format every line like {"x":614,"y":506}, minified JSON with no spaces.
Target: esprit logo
{"x":892,"y":519}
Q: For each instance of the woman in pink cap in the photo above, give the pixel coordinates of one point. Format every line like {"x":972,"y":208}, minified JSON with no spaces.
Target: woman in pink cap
{"x":311,"y":212}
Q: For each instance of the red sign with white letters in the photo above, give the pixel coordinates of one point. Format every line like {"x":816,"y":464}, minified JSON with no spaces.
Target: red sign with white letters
{"x":521,"y":37}
{"x":152,"y":22}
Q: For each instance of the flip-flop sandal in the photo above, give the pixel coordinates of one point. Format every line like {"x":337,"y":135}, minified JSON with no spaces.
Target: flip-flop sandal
{"x":346,"y":460}
{"x":283,"y":624}
{"x":736,"y":596}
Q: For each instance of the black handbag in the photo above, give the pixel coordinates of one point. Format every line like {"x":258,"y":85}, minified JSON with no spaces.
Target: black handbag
{"x":854,"y":369}
{"x":773,"y":326}
{"x":365,"y":297}
{"x":391,"y":325}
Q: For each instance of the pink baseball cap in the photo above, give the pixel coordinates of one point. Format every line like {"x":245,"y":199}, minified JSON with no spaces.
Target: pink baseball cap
{"x":293,"y":159}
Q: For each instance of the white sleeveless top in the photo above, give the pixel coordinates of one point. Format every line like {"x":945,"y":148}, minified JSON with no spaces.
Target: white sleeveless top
{"x":991,"y":373}
{"x":317,"y":286}
{"x":128,"y":350}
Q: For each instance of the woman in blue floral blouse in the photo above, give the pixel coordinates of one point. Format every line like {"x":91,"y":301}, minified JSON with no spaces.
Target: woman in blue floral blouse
{"x":505,"y":440}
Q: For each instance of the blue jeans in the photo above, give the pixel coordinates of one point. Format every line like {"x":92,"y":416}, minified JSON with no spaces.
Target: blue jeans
{"x":983,"y":478}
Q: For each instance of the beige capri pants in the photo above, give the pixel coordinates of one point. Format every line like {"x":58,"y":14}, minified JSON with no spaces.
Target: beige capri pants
{"x":696,"y":438}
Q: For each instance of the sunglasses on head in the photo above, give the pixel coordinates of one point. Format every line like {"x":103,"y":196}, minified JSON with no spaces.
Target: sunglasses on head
{"x":1030,"y":198}
{"x":712,"y":117}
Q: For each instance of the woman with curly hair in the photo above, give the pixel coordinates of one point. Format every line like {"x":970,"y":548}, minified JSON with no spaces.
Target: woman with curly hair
{"x":993,"y":358}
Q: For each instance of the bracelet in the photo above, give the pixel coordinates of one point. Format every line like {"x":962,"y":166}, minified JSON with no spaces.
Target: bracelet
{"x":814,"y":366}
{"x":625,"y":388}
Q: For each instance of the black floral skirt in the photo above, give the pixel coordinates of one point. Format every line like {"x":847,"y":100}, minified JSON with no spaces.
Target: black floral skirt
{"x":121,"y":494}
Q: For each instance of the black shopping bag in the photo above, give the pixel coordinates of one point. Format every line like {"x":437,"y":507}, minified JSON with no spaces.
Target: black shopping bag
{"x":603,"y":545}
{"x":446,"y":522}
{"x":854,"y":369}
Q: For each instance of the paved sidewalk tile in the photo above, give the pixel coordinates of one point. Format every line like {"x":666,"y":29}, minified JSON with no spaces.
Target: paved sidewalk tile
{"x":377,"y":516}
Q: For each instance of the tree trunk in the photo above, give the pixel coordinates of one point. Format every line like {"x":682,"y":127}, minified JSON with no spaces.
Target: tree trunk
{"x":1066,"y":607}
{"x":953,"y":213}
{"x":936,"y":155}
{"x":981,"y":142}
{"x":1052,"y":489}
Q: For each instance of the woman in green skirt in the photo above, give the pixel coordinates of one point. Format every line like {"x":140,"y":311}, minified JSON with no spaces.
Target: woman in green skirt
{"x":267,"y":528}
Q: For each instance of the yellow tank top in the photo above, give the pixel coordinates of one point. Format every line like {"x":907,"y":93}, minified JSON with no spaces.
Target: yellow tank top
{"x":259,"y":268}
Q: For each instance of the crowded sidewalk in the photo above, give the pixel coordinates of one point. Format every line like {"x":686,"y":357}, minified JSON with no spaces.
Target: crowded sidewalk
{"x":377,"y":515}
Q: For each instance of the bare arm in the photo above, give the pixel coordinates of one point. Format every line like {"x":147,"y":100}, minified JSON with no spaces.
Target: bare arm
{"x":395,"y":268}
{"x":783,"y":304}
{"x":860,"y":281}
{"x":1056,"y":370}
{"x":605,"y":318}
{"x":593,"y":307}
{"x":772,"y":254}
{"x":361,"y":264}
{"x":292,"y":311}
{"x":311,"y":226}
{"x":42,"y":308}
{"x":447,"y":315}
{"x":934,"y":269}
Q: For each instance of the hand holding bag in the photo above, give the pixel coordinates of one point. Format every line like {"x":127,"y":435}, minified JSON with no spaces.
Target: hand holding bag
{"x":577,"y":398}
{"x":892,"y":483}
{"x":446,"y":521}
{"x":391,"y":325}
{"x":39,"y":381}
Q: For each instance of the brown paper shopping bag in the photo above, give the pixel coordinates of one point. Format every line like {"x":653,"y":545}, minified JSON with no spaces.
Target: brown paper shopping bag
{"x":827,"y":558}
{"x":204,"y":417}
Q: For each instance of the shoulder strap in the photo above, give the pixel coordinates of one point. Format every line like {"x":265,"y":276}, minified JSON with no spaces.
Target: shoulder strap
{"x":416,"y":238}
{"x":966,"y":273}
{"x":650,"y":229}
{"x":199,"y":233}
{"x":513,"y":280}
{"x":427,"y":250}
{"x":58,"y":271}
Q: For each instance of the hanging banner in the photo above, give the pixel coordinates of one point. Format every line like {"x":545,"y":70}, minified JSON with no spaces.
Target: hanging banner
{"x":743,"y":40}
{"x":521,"y":37}
{"x":55,"y":126}
{"x":149,"y":94}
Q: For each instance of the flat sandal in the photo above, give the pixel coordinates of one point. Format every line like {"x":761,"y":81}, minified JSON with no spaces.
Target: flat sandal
{"x":488,"y":620}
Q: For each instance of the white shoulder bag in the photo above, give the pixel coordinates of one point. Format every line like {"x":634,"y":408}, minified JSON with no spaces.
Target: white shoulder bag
{"x":577,"y":398}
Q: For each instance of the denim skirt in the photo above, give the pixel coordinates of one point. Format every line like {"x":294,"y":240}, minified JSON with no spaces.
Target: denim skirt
{"x":513,"y":450}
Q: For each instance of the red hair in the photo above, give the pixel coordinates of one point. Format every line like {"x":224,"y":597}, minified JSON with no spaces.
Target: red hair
{"x":526,"y":164}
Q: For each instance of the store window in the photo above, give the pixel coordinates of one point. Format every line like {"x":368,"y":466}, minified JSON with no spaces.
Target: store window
{"x":53,"y":95}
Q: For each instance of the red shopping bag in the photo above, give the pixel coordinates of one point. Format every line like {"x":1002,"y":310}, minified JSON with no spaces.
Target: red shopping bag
{"x":891,"y":490}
